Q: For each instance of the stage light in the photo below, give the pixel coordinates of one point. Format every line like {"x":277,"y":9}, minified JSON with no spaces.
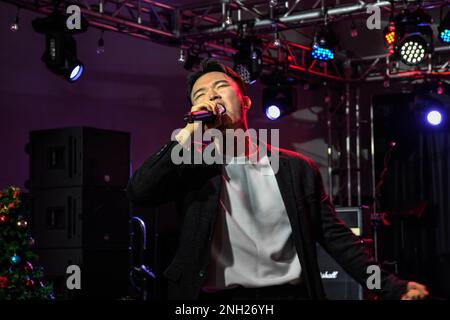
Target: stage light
{"x":445,"y":36}
{"x":434,"y":117}
{"x":60,"y":55}
{"x":76,"y":72}
{"x":182,"y":56}
{"x":276,"y":40}
{"x":412,"y":52}
{"x":440,"y":88}
{"x":278,"y":100}
{"x":273,"y":112}
{"x":389,"y":33}
{"x":228,"y":21}
{"x":444,"y":29}
{"x":323,"y":45}
{"x":322,"y":54}
{"x":101,"y":45}
{"x":430,"y":108}
{"x":14,"y":26}
{"x":415,"y":36}
{"x":248,"y":58}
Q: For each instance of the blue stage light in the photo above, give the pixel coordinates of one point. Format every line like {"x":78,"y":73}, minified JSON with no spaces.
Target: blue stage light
{"x":322,"y":54}
{"x":76,"y":72}
{"x":434,"y":117}
{"x":273,"y":112}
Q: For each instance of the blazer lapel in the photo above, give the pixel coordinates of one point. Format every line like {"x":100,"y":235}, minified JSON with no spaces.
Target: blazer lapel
{"x":285,"y":184}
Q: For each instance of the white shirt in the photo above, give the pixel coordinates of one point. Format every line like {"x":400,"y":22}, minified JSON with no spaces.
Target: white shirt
{"x":252,"y":244}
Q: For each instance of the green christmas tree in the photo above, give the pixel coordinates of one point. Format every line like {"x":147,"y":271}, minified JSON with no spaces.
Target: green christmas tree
{"x":20,"y":278}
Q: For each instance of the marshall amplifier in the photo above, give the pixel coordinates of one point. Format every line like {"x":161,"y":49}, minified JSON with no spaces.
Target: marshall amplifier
{"x":337,"y":283}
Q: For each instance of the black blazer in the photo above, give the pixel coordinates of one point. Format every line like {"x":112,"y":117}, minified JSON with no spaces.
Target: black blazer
{"x":196,"y":191}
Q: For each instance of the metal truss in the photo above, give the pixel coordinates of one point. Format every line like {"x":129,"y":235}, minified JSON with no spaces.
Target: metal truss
{"x":383,"y":67}
{"x":208,"y":29}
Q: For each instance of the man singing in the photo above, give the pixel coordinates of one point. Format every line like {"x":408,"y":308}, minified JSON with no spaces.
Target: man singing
{"x":248,"y":231}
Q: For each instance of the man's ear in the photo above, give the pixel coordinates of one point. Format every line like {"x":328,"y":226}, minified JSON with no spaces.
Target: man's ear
{"x":247,"y":102}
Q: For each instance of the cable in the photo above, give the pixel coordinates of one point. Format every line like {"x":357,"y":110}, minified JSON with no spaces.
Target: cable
{"x":380,"y":183}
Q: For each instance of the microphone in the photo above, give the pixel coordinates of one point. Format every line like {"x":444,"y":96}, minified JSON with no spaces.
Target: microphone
{"x":204,"y":115}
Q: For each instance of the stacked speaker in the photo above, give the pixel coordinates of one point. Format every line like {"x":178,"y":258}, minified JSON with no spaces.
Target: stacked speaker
{"x":79,"y":209}
{"x":337,"y":283}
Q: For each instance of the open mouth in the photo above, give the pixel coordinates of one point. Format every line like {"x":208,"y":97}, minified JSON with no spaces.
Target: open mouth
{"x":221,"y":108}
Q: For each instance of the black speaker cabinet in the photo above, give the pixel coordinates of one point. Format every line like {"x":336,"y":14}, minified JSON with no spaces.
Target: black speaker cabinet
{"x":337,"y":283}
{"x":103,"y":272}
{"x":79,"y":217}
{"x":81,"y":156}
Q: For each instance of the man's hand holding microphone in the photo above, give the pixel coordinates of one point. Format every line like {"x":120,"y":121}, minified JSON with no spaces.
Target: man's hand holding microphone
{"x":207,"y":113}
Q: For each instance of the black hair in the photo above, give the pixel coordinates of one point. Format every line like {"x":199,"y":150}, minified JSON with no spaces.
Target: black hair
{"x":210,"y":65}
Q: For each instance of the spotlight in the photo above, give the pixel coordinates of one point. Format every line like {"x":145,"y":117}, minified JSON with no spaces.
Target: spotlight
{"x":434,"y":117}
{"x":60,"y":54}
{"x":431,"y":109}
{"x":101,"y":45}
{"x":324,"y":44}
{"x":248,"y":59}
{"x":76,"y":72}
{"x":444,"y":29}
{"x":278,"y":101}
{"x":273,"y":112}
{"x":14,"y":27}
{"x":276,"y":40}
{"x":182,"y":56}
{"x":415,"y":36}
